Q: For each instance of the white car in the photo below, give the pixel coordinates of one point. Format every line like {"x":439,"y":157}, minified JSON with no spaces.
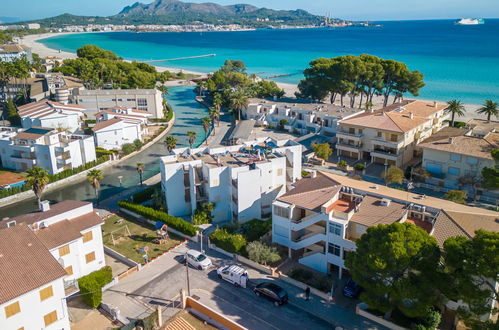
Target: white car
{"x":233,"y":274}
{"x":198,"y":259}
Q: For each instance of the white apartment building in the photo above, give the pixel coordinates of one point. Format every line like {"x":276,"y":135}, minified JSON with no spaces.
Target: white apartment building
{"x":118,"y":126}
{"x":300,"y":117}
{"x":32,"y":294}
{"x":9,"y":52}
{"x":321,"y":218}
{"x":456,"y":152}
{"x":46,"y":113}
{"x":241,"y":180}
{"x":22,"y":149}
{"x":390,"y":135}
{"x":96,"y":100}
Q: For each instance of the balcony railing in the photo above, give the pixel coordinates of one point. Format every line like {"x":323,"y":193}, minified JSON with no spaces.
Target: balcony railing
{"x":358,"y":135}
{"x":349,"y":145}
{"x":386,"y":152}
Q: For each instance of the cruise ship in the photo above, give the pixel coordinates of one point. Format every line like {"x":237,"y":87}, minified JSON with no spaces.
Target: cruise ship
{"x":470,"y":21}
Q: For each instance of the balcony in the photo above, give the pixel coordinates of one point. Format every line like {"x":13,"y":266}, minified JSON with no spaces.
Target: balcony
{"x":348,"y":146}
{"x":62,"y":161}
{"x":304,"y":222}
{"x":234,"y":183}
{"x":62,"y":149}
{"x":23,"y":159}
{"x":23,"y":148}
{"x":385,"y":154}
{"x":348,"y":135}
{"x":388,"y":143}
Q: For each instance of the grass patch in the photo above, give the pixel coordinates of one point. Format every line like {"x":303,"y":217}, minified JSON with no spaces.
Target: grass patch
{"x":141,"y":235}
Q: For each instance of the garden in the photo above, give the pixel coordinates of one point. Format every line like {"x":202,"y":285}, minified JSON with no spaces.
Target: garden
{"x":134,"y":239}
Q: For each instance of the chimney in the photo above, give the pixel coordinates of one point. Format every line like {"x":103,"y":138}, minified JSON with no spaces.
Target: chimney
{"x":411,"y":115}
{"x":44,"y":206}
{"x":451,"y":140}
{"x":435,"y":104}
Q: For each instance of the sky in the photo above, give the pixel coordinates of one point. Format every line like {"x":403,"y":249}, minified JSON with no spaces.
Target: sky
{"x":350,"y":9}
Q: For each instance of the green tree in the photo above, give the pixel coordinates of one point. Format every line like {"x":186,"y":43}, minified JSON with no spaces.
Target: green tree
{"x":322,"y":150}
{"x":214,"y":116}
{"x":490,"y":108}
{"x":472,"y":271}
{"x":95,"y":177}
{"x":12,"y":114}
{"x":397,"y":265}
{"x":127,"y":148}
{"x":140,"y":169}
{"x":457,"y":196}
{"x":394,"y":174}
{"x":455,"y":108}
{"x":170,"y":142}
{"x":91,"y":52}
{"x":137,"y":144}
{"x":206,"y":122}
{"x":238,"y":102}
{"x":262,"y":253}
{"x":192,"y":138}
{"x":38,"y":178}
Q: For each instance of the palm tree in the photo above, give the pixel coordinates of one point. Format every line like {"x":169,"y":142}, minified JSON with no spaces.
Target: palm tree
{"x":214,"y":116}
{"x":38,"y":178}
{"x":163,"y":89}
{"x":239,"y":101}
{"x":217,"y":101}
{"x":171,"y":142}
{"x":140,"y":170}
{"x":490,"y":108}
{"x":192,"y":137}
{"x":455,"y":108}
{"x":206,"y":122}
{"x":95,"y":177}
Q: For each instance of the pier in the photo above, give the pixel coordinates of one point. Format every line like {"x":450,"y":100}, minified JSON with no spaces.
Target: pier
{"x":180,"y":58}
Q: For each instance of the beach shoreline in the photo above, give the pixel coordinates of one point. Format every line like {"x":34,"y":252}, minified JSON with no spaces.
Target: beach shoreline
{"x":33,"y":41}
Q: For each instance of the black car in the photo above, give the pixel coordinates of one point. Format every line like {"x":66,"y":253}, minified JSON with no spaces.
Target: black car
{"x":352,"y":289}
{"x":272,"y":292}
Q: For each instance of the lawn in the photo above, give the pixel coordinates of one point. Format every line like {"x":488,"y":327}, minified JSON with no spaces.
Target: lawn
{"x":141,"y":235}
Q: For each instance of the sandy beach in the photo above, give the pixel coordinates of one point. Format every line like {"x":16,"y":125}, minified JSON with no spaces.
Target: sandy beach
{"x":32,"y":41}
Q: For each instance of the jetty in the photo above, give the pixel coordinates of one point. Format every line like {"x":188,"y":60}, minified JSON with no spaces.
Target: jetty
{"x":180,"y":58}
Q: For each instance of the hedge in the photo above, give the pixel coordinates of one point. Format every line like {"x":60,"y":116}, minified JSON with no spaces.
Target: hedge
{"x":152,"y":214}
{"x":232,"y":243}
{"x":91,"y":285}
{"x":146,"y":194}
{"x":253,"y":229}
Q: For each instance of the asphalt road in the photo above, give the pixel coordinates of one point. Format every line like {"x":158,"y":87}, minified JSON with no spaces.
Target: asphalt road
{"x":239,"y":304}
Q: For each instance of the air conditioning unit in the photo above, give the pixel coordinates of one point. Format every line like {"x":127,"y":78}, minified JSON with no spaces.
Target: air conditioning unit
{"x":43,"y":225}
{"x":385,"y":202}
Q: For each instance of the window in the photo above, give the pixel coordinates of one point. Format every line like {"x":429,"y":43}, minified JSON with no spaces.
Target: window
{"x":130,"y":100}
{"x":281,"y":211}
{"x":46,"y":293}
{"x":90,"y":257}
{"x":64,"y":250}
{"x":87,"y":236}
{"x":142,"y":102}
{"x":455,"y":157}
{"x":380,"y":134}
{"x":345,"y":252}
{"x":335,"y":229}
{"x":334,"y":249}
{"x":69,"y":270}
{"x":12,"y":309}
{"x":453,"y":171}
{"x":50,"y":318}
{"x":394,"y":138}
{"x":279,"y":171}
{"x":472,"y":160}
{"x":361,"y":131}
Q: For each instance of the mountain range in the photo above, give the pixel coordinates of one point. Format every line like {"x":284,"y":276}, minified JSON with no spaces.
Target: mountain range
{"x":182,"y":13}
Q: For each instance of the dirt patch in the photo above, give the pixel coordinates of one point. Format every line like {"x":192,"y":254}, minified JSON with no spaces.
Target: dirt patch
{"x":10,"y":178}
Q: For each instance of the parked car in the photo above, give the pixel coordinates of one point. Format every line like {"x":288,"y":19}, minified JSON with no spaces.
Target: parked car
{"x":272,"y":292}
{"x":233,"y":274}
{"x":351,"y":289}
{"x":198,"y":260}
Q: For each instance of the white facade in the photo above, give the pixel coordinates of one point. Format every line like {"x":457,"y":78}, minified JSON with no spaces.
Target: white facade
{"x":22,"y":149}
{"x":240,"y":184}
{"x":96,"y":100}
{"x":303,"y":118}
{"x":10,"y":52}
{"x":51,"y":114}
{"x":33,"y":311}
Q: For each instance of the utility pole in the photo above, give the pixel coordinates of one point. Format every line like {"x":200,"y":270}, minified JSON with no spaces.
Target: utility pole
{"x":187,"y":272}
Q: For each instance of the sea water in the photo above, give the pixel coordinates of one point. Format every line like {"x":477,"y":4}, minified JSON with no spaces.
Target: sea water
{"x":458,"y":62}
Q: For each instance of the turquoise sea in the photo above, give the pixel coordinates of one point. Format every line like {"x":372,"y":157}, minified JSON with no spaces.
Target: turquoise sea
{"x":459,"y":62}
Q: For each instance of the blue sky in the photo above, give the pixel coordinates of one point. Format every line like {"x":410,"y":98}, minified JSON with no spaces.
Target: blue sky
{"x":350,"y":9}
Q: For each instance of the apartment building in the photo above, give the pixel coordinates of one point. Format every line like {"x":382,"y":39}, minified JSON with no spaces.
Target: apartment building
{"x":22,"y":149}
{"x":390,"y":135}
{"x":52,"y":114}
{"x":299,"y":116}
{"x":457,"y":152}
{"x":10,"y":52}
{"x":320,"y":219}
{"x":32,"y":294}
{"x":241,"y":180}
{"x":96,"y":100}
{"x":118,"y":126}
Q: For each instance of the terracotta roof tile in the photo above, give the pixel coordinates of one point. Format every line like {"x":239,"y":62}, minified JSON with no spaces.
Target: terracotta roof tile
{"x":371,"y":212}
{"x":467,"y":145}
{"x":26,"y":263}
{"x":106,"y":123}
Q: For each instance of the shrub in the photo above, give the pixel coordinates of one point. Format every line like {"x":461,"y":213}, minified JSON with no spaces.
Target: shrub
{"x":232,"y":243}
{"x":91,"y":285}
{"x":255,"y":229}
{"x":457,"y":196}
{"x":137,"y":144}
{"x":67,"y":173}
{"x":261,"y":253}
{"x":127,"y":148}
{"x":90,"y":121}
{"x":359,"y":167}
{"x":145,"y":194}
{"x":343,"y":164}
{"x":301,"y":275}
{"x":152,"y":214}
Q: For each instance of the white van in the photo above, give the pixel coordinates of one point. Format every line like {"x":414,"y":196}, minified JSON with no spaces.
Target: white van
{"x":233,"y":274}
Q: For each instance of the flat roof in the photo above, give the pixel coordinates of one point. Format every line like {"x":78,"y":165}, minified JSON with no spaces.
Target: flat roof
{"x":242,"y":130}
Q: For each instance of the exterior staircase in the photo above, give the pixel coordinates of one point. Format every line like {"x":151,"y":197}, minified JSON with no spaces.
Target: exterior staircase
{"x":179,"y":324}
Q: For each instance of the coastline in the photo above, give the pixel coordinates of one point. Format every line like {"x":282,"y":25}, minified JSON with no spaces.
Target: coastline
{"x":32,"y":41}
